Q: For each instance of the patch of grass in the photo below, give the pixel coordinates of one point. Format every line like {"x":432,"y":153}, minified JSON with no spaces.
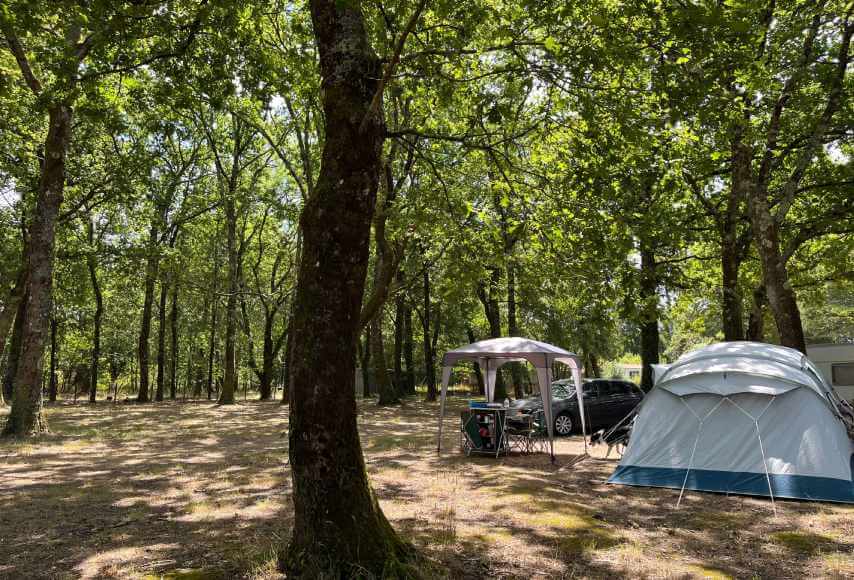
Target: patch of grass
{"x":838,"y":565}
{"x":802,"y":542}
{"x":186,"y":574}
{"x":587,"y":541}
{"x":447,"y":531}
{"x":709,"y":573}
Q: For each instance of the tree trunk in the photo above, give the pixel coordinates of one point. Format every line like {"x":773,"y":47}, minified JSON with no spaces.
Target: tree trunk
{"x":399,"y":313}
{"x":269,"y":355}
{"x":143,"y":395}
{"x":229,"y":384}
{"x":775,"y":276}
{"x":388,"y":394}
{"x":732,"y":308}
{"x":212,"y":340}
{"x":409,"y":350}
{"x":478,"y":374}
{"x":99,"y":313}
{"x":286,"y":372}
{"x":649,"y":316}
{"x":26,"y":417}
{"x":173,"y":343}
{"x":7,"y":316}
{"x":429,"y":355}
{"x":339,"y":529}
{"x":53,"y":382}
{"x":756,"y":320}
{"x":364,"y":354}
{"x":513,"y":330}
{"x":14,"y":353}
{"x":161,"y":339}
{"x":489,"y":298}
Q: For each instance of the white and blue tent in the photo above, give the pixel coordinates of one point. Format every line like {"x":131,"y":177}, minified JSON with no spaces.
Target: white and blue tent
{"x":742,"y":418}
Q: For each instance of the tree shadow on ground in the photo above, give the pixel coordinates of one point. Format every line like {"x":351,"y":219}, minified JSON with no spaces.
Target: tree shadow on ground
{"x":123,"y":491}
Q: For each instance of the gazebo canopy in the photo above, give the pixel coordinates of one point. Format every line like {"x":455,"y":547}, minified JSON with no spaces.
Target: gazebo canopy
{"x":513,"y":348}
{"x":491,"y":354}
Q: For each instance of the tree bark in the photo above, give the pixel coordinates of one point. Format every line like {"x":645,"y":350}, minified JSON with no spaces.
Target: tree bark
{"x":161,"y":339}
{"x":92,"y":264}
{"x":25,"y":417}
{"x":429,"y":355}
{"x":229,"y":384}
{"x":173,"y":343}
{"x":513,"y":330}
{"x":732,"y":309}
{"x":399,"y":313}
{"x":339,"y":529}
{"x":265,"y":378}
{"x":649,"y":316}
{"x":14,"y":353}
{"x":151,"y":266}
{"x":409,"y":350}
{"x":778,"y":289}
{"x":756,"y":320}
{"x":53,"y":382}
{"x":7,"y":315}
{"x":489,"y":298}
{"x":478,"y":374}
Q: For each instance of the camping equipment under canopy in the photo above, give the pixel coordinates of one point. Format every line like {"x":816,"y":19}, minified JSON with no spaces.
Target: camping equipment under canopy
{"x":491,"y":354}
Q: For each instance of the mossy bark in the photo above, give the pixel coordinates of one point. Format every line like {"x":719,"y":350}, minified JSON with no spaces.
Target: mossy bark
{"x":339,"y":529}
{"x":25,"y":417}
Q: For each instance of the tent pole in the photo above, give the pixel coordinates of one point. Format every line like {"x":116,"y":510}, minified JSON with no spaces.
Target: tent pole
{"x":761,"y":447}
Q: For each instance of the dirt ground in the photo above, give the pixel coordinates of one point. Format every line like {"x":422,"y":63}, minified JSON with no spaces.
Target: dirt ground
{"x":192,"y":490}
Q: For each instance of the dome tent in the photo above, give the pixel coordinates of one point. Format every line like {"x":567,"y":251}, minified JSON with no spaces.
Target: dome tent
{"x":492,"y":353}
{"x":745,"y":418}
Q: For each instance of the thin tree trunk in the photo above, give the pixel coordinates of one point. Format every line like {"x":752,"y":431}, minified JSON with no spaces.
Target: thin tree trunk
{"x":429,"y":356}
{"x":161,"y":339}
{"x":478,"y":374}
{"x":99,"y":313}
{"x":388,"y":394}
{"x":143,"y":395}
{"x":173,"y":343}
{"x":229,"y":384}
{"x":53,"y":382}
{"x":649,"y":316}
{"x":7,"y":315}
{"x":339,"y":529}
{"x":14,"y":353}
{"x":212,"y":341}
{"x":732,"y":308}
{"x":489,"y":299}
{"x":269,"y":355}
{"x":399,"y":313}
{"x":513,"y":330}
{"x":26,"y":416}
{"x":756,"y":320}
{"x":409,"y":350}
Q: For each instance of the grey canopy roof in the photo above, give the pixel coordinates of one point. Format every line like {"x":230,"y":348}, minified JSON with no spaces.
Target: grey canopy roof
{"x":539,"y":354}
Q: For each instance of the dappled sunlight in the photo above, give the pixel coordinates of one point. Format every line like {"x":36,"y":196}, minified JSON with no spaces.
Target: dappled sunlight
{"x":140,"y":491}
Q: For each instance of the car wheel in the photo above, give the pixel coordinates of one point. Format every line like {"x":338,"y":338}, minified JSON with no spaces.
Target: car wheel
{"x":563,"y":424}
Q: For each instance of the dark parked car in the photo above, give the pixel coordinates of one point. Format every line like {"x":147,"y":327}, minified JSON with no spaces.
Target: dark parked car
{"x":606,"y":401}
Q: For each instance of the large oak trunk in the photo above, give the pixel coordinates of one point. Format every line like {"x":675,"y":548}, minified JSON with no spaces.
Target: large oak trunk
{"x":339,"y":529}
{"x":26,"y":417}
